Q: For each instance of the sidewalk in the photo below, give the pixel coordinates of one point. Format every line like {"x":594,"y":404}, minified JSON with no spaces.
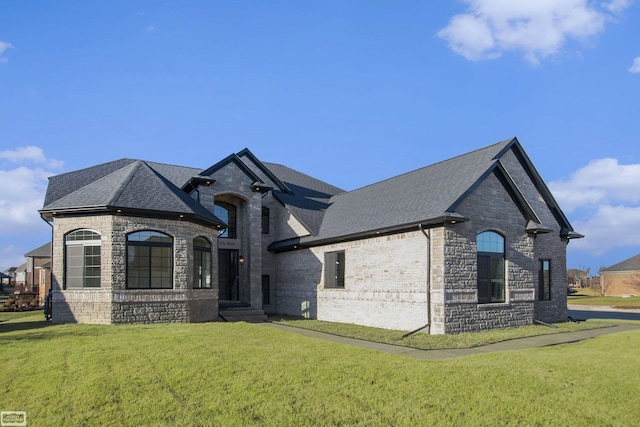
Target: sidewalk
{"x":579,"y":307}
{"x":510,"y":345}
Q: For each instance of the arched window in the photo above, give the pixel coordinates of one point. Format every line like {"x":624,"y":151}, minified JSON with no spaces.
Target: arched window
{"x":491,"y":267}
{"x":201,"y":263}
{"x":149,"y":260}
{"x":82,"y":259}
{"x":227,"y":213}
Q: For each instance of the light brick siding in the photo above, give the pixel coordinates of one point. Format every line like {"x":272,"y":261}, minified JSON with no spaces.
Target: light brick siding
{"x":112,"y":302}
{"x":385,"y":282}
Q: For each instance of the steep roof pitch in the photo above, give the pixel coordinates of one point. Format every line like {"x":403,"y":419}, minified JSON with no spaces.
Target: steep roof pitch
{"x":307,"y":199}
{"x":136,"y":186}
{"x":422,"y":197}
{"x":631,"y":264}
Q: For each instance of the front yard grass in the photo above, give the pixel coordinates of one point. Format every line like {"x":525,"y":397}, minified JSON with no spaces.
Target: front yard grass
{"x":433,"y":342}
{"x":238,"y":374}
{"x":583,"y":298}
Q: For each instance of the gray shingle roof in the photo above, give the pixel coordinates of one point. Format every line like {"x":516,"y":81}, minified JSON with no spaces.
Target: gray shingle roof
{"x":631,"y":264}
{"x":43,"y":251}
{"x":411,"y":198}
{"x":134,"y":185}
{"x":309,"y":197}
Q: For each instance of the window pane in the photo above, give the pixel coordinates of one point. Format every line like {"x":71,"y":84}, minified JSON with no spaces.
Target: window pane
{"x":490,"y":267}
{"x":227,"y":213}
{"x":490,"y":241}
{"x":544,"y":280}
{"x":75,"y":258}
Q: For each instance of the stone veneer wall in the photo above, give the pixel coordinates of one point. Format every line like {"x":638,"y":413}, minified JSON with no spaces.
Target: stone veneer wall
{"x":112,"y":302}
{"x":547,"y":246}
{"x":385,"y":282}
{"x":489,"y":207}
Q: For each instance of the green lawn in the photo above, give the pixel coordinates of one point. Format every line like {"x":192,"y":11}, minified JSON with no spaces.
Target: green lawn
{"x":243,"y":374}
{"x":585,"y":298}
{"x":430,"y":342}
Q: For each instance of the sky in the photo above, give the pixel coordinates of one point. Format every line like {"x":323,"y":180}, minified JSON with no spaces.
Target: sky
{"x":350,"y":92}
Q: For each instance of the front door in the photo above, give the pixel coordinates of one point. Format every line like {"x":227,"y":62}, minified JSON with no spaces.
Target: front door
{"x":228,"y":278}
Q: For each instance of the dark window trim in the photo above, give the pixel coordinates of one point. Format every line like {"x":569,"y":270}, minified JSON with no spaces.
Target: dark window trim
{"x":544,"y":287}
{"x":335,"y":266}
{"x":231,"y":232}
{"x":150,"y":245}
{"x":486,"y":291}
{"x":266,"y":212}
{"x":198,"y":279}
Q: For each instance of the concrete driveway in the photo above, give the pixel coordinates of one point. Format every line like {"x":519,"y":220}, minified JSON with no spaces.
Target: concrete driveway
{"x":600,"y":312}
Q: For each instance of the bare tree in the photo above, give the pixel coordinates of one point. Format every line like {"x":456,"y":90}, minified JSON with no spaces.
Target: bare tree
{"x":634,"y":281}
{"x":604,"y":282}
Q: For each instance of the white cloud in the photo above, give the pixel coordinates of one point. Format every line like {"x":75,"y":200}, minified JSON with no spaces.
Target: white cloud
{"x":23,"y":184}
{"x":21,"y":195}
{"x":605,"y":197}
{"x":610,"y":227}
{"x":537,"y":28}
{"x":635,"y":68}
{"x":601,"y":181}
{"x":4,"y":46}
{"x":29,"y":154}
{"x":150,"y":28}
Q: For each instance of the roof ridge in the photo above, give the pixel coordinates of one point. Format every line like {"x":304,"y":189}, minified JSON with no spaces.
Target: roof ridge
{"x":117,"y":192}
{"x":427,"y":166}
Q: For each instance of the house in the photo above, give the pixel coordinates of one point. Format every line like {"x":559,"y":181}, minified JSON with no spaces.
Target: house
{"x":38,"y":271}
{"x":622,"y":278}
{"x":470,"y":243}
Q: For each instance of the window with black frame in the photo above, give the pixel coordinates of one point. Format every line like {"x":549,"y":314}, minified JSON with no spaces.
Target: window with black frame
{"x":201,"y":263}
{"x":491,"y":267}
{"x":334,"y":264}
{"x":265,"y":220}
{"x":544,"y":280}
{"x":149,"y":260}
{"x":227,"y":213}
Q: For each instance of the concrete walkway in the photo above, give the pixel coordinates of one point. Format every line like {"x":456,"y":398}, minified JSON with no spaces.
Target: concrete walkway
{"x":510,"y":345}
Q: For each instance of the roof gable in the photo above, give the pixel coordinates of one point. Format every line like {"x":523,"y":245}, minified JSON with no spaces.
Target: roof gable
{"x":416,"y":197}
{"x":631,"y":264}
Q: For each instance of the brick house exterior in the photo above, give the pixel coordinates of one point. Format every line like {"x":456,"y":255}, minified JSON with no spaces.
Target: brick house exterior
{"x":622,"y":278}
{"x":471,"y":243}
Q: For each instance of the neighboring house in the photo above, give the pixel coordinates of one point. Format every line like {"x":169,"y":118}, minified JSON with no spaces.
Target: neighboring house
{"x":20,"y":275}
{"x":622,"y":278}
{"x":471,"y":243}
{"x":38,"y":271}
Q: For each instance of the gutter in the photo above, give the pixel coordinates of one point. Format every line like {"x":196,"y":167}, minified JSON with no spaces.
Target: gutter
{"x":312,"y":241}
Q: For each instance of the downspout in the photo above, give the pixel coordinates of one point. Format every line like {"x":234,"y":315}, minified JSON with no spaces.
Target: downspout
{"x":428,"y":325}
{"x":48,"y":303}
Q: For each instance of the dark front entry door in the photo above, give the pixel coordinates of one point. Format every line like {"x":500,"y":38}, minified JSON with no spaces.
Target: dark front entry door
{"x":228,"y":275}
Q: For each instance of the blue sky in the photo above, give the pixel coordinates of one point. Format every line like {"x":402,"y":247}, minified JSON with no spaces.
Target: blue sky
{"x":351,"y":92}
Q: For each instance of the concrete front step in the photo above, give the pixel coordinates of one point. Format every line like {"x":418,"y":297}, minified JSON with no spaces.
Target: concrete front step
{"x":241,"y":314}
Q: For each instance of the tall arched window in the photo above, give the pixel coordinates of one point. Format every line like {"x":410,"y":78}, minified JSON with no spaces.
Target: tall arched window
{"x":227,"y":213}
{"x":201,"y":263}
{"x":82,"y":259}
{"x":149,"y":260}
{"x":491,"y":267}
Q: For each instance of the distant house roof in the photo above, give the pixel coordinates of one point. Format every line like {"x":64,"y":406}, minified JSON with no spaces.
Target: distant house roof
{"x":43,"y":251}
{"x":631,"y":264}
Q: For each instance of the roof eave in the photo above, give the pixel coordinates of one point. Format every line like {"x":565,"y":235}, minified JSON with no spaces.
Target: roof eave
{"x":309,"y":241}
